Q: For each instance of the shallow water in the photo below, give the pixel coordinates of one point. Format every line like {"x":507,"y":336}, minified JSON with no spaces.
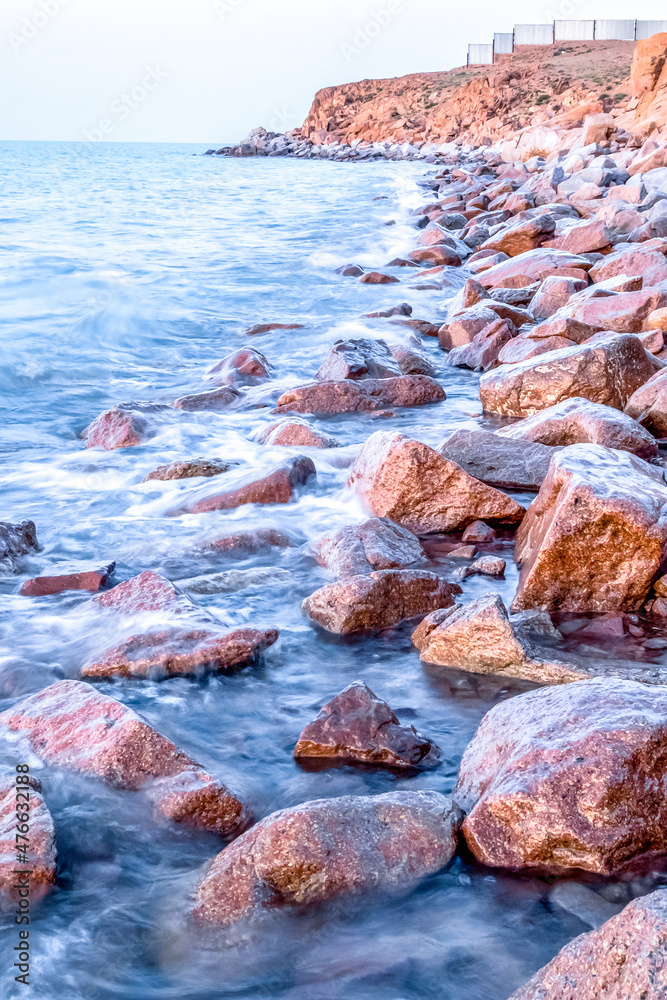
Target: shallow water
{"x":127,"y":270}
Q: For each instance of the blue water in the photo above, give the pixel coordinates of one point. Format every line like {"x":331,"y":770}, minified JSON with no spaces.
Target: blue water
{"x":127,"y":270}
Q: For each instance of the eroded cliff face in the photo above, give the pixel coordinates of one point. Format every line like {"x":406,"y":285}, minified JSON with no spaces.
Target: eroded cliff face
{"x":536,"y":86}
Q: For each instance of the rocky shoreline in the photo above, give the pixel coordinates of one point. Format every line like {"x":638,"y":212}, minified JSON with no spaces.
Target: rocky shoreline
{"x":553,"y":272}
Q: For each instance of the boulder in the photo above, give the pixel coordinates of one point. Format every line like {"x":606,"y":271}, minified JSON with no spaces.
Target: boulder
{"x":38,"y":856}
{"x":624,"y":958}
{"x":578,"y":421}
{"x":535,"y":265}
{"x":480,"y":637}
{"x":350,"y":270}
{"x":484,"y":350}
{"x":16,"y":541}
{"x":206,"y":467}
{"x":358,"y":359}
{"x":438,"y":255}
{"x":553,"y":293}
{"x":358,"y":726}
{"x":296,"y":434}
{"x":648,"y":405}
{"x":587,"y":236}
{"x":328,"y":848}
{"x":246,"y":543}
{"x":486,"y":566}
{"x":597,"y":128}
{"x":623,"y":312}
{"x":523,"y":236}
{"x":412,"y":362}
{"x":277,"y":486}
{"x":492,"y":459}
{"x":421,"y":490}
{"x":632,"y":260}
{"x":377,"y":600}
{"x":595,"y":536}
{"x":465,"y":325}
{"x":244,"y":367}
{"x":41,"y":586}
{"x":351,"y":396}
{"x":212,"y":399}
{"x":562,"y":325}
{"x":73,"y":727}
{"x":607,"y":372}
{"x":123,"y":426}
{"x":377,"y":278}
{"x":524,"y":347}
{"x":568,"y":777}
{"x":479,"y":533}
{"x":361,"y":548}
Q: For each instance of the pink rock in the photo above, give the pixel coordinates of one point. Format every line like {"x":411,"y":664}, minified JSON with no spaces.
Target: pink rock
{"x":123,"y":426}
{"x":358,"y":359}
{"x":259,"y":328}
{"x":523,"y":348}
{"x":350,"y":396}
{"x":40,"y":847}
{"x":464,"y":326}
{"x":412,"y":362}
{"x":553,"y":293}
{"x":41,"y":586}
{"x":648,"y":404}
{"x":276,"y":487}
{"x":440,"y":255}
{"x":358,"y":726}
{"x":586,"y":236}
{"x":243,"y":367}
{"x":535,"y":265}
{"x":73,"y":727}
{"x":377,"y":278}
{"x":212,"y":399}
{"x":361,"y":548}
{"x":296,"y":434}
{"x":626,"y":312}
{"x":479,"y":533}
{"x":483,"y":353}
{"x":634,"y":259}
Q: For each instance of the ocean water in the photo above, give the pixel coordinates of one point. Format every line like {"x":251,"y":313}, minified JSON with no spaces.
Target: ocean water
{"x":127,"y":271}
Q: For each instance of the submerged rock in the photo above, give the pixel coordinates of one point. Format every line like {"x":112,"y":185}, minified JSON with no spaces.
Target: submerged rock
{"x":419,"y":489}
{"x":207,"y":467}
{"x":258,"y":328}
{"x":296,"y":433}
{"x":244,"y":543}
{"x":211,"y":399}
{"x":41,"y":586}
{"x":499,"y":461}
{"x":361,"y":548}
{"x":123,"y":426}
{"x":358,"y":396}
{"x":622,"y":960}
{"x":482,"y":638}
{"x":607,"y":372}
{"x":358,"y":359}
{"x":568,"y":777}
{"x":277,"y":486}
{"x":378,"y":600}
{"x":358,"y":726}
{"x":16,"y":541}
{"x":39,"y":848}
{"x":73,"y":727}
{"x":578,"y":421}
{"x":244,"y":367}
{"x":329,"y":848}
{"x":595,"y":537}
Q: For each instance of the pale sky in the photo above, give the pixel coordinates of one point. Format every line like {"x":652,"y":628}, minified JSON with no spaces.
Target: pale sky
{"x":208,"y":71}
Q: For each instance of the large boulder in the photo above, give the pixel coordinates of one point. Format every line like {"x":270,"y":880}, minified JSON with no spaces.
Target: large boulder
{"x":421,"y":490}
{"x":578,"y":421}
{"x":482,"y":638}
{"x":536,"y":265}
{"x":608,"y":372}
{"x":633,"y":259}
{"x":378,"y":600}
{"x":16,"y":542}
{"x":623,"y":312}
{"x":181,"y":640}
{"x":504,"y":462}
{"x":91,"y":579}
{"x":568,"y":777}
{"x":377,"y":543}
{"x":622,"y":960}
{"x":358,"y":726}
{"x":277,"y":486}
{"x":595,"y":537}
{"x":37,"y":853}
{"x":464,"y":326}
{"x":73,"y":727}
{"x":521,"y":236}
{"x":358,"y":359}
{"x":484,"y":350}
{"x":329,"y":848}
{"x":648,"y":404}
{"x":360,"y":396}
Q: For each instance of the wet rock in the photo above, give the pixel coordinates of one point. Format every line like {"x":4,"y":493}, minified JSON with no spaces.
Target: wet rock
{"x":479,"y":533}
{"x":123,"y":426}
{"x":402,"y":309}
{"x":358,"y":726}
{"x":412,"y":362}
{"x":73,"y":727}
{"x":258,"y":328}
{"x":377,"y":278}
{"x":562,"y":325}
{"x":586,"y":904}
{"x":632,"y":260}
{"x":480,"y":637}
{"x":234,"y":580}
{"x":40,"y":851}
{"x":16,"y":541}
{"x":568,"y":777}
{"x":351,"y":396}
{"x":522,"y":236}
{"x":358,"y":359}
{"x":421,"y":490}
{"x":296,"y":434}
{"x":554,"y":292}
{"x":583,"y":237}
{"x":212,"y":399}
{"x":464,"y":326}
{"x":523,"y":348}
{"x":607,"y":372}
{"x":595,"y":536}
{"x":463,"y":552}
{"x":361,"y":548}
{"x":648,"y":405}
{"x":438,"y":255}
{"x":350,"y":270}
{"x":487,"y":566}
{"x":578,"y":421}
{"x":276,"y":487}
{"x":624,"y":312}
{"x":483,"y":353}
{"x":535,"y":265}
{"x":625,"y":958}
{"x":247,"y":543}
{"x":377,"y":600}
{"x":504,"y":462}
{"x":41,"y":586}
{"x":207,"y":467}
{"x":328,"y":848}
{"x":243,"y":367}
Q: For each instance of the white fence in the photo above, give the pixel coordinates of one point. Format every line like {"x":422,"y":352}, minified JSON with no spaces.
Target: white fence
{"x":534,"y":34}
{"x":616,"y":30}
{"x":647,"y":28}
{"x":480,"y":55}
{"x":574,"y":31}
{"x":505,"y":43}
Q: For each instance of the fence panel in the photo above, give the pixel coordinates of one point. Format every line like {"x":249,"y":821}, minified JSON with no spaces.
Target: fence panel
{"x":503,"y":43}
{"x":534,"y":34}
{"x":574,"y":31}
{"x":615,"y":30}
{"x":480,"y":55}
{"x":647,"y":28}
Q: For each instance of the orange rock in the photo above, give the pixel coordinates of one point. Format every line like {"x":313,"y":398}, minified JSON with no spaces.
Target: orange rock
{"x":40,"y":847}
{"x":296,"y":434}
{"x":366,"y":395}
